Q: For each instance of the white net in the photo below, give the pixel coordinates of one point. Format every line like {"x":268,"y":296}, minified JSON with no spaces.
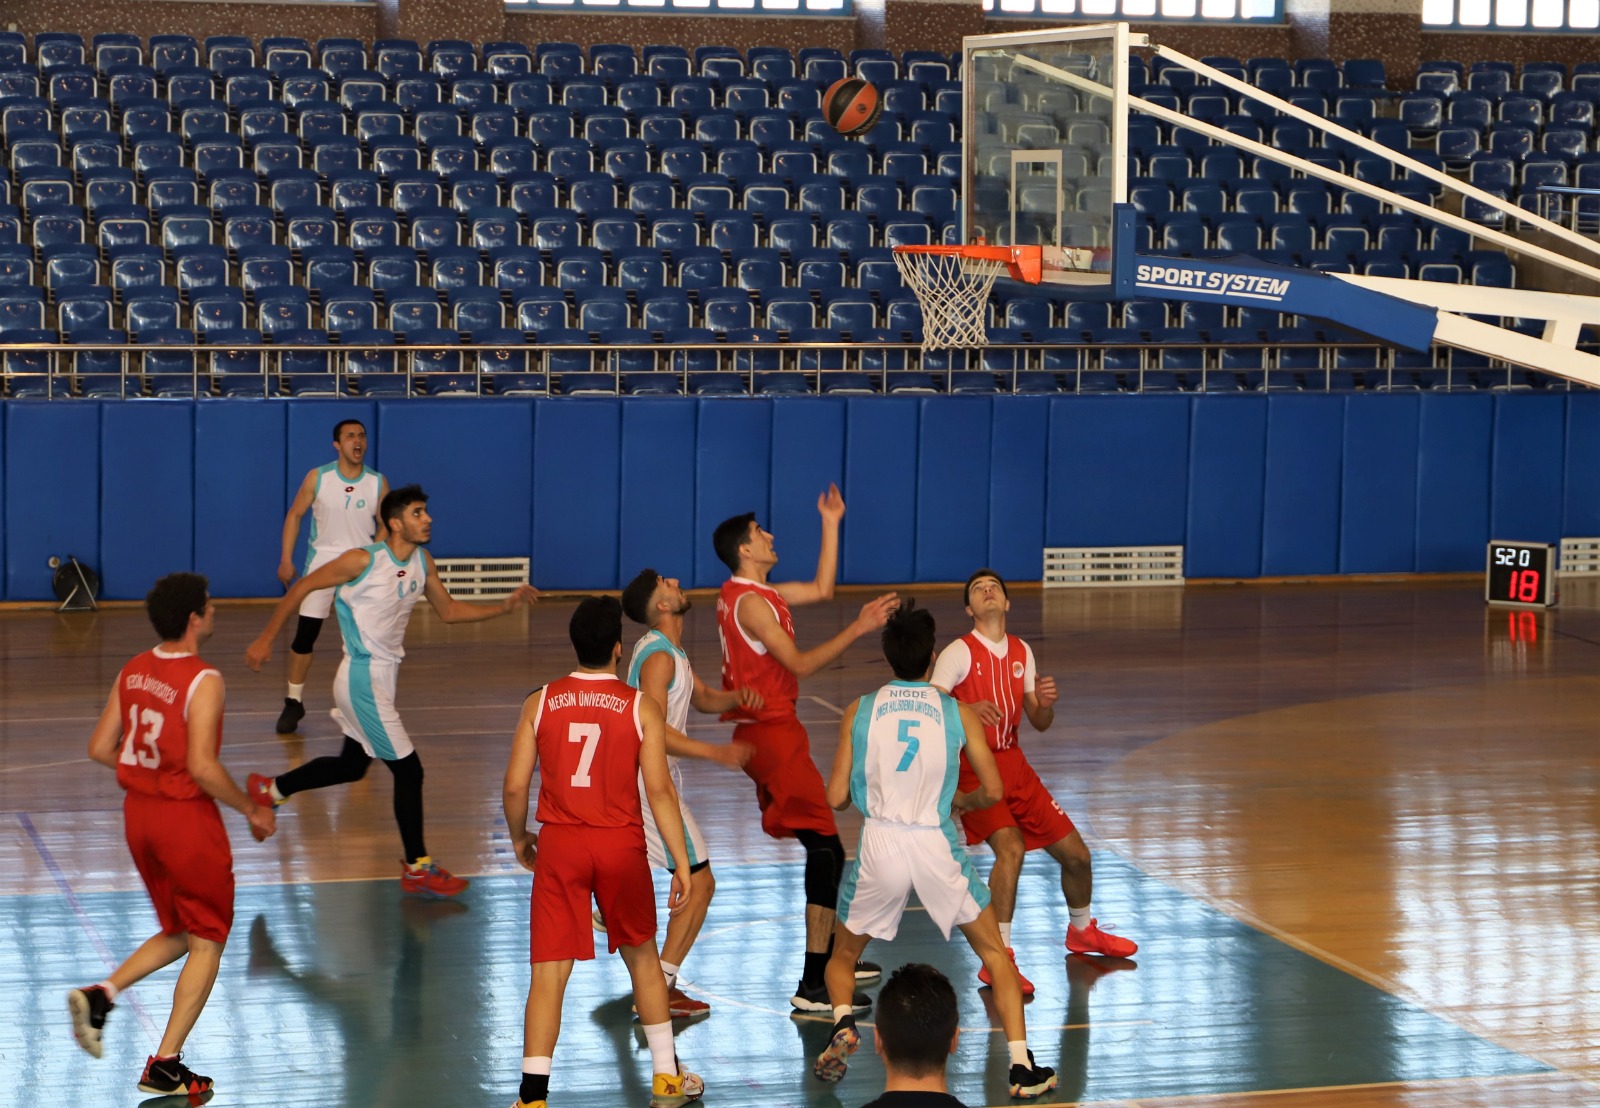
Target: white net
{"x":954,"y":293}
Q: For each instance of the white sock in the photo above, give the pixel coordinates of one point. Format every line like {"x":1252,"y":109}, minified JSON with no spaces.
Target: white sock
{"x":1005,"y":934}
{"x":671,"y":973}
{"x":112,"y":992}
{"x":1078,"y":917}
{"x":840,"y":1011}
{"x":297,"y":692}
{"x":1019,"y":1052}
{"x":277,"y":797}
{"x":663,"y":1057}
{"x":539,"y":1065}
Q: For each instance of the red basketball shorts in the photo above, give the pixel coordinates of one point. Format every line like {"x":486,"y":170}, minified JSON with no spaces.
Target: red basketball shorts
{"x":576,"y":863}
{"x":1027,"y":805}
{"x":181,"y":850}
{"x":789,"y":786}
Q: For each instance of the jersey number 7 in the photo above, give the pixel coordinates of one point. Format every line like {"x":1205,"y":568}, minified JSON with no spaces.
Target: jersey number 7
{"x":589,"y":735}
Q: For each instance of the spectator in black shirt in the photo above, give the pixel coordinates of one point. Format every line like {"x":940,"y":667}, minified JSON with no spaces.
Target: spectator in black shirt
{"x":916,"y":1034}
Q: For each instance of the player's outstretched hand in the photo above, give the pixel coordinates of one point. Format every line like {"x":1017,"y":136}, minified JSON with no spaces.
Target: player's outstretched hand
{"x":524,"y":594}
{"x":736,"y":755}
{"x":285,"y":572}
{"x":1045,"y":691}
{"x":749,"y":698}
{"x":875,"y":613}
{"x":678,"y":895}
{"x":257,"y":653}
{"x":263,"y":822}
{"x":527,"y":851}
{"x":831,"y":504}
{"x":988,"y":714}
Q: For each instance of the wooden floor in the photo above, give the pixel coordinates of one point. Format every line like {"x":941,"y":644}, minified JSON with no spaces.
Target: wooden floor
{"x":1354,"y":828}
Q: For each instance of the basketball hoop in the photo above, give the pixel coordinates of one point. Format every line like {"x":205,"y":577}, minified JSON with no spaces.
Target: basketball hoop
{"x":952,"y":283}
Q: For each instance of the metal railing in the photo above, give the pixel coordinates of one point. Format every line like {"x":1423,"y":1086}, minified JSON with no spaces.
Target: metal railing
{"x":130,"y":370}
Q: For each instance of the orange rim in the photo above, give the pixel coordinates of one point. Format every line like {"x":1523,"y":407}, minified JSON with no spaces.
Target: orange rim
{"x":1026,"y":263}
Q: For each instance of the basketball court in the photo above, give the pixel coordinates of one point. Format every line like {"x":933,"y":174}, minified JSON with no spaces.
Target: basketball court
{"x":1351,"y":826}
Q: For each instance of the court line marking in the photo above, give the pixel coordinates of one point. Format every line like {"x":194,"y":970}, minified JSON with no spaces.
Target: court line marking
{"x":96,"y":940}
{"x":828,"y":704}
{"x":1188,"y":1098}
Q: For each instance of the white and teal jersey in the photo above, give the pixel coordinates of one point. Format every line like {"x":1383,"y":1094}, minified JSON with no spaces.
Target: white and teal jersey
{"x":344,"y":514}
{"x":680,"y":690}
{"x":375,"y":607}
{"x":906,"y":743}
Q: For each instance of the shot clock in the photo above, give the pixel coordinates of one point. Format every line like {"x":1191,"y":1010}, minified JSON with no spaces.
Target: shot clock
{"x":1520,"y":574}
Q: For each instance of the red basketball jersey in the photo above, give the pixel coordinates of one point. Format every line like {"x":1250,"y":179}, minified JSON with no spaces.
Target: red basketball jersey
{"x":745,"y":662}
{"x":154,"y":690}
{"x":998,"y":680}
{"x":588,"y":736}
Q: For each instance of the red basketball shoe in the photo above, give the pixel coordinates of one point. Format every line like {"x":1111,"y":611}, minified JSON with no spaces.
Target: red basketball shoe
{"x":1092,"y":940}
{"x":984,"y":976}
{"x":431,"y":880}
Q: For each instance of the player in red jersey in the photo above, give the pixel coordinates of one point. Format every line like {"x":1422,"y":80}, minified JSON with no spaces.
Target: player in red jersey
{"x":594,"y":735}
{"x":165,"y":715}
{"x":995,"y":673}
{"x":759,"y":653}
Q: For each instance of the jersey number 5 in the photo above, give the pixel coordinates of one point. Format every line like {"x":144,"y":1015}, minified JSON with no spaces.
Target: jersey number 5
{"x":907,"y":726}
{"x":149,"y":755}
{"x":589,"y":735}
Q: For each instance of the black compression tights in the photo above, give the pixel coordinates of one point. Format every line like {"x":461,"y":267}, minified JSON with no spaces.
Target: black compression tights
{"x":350,"y":764}
{"x":824,"y":868}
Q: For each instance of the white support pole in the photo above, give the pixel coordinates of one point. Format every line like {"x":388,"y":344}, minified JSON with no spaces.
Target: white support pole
{"x":1357,"y":139}
{"x":1332,"y":176}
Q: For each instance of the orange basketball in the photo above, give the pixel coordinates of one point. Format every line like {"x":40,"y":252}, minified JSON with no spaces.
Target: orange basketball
{"x":852,"y":106}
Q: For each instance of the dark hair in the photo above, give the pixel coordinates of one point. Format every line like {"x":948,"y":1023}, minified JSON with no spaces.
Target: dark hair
{"x":908,"y":641}
{"x":729,"y":537}
{"x":595,"y":630}
{"x":343,"y":423}
{"x":636,"y":597}
{"x":172,"y":600}
{"x":398,"y":500}
{"x":985,"y":572}
{"x":916,"y":1013}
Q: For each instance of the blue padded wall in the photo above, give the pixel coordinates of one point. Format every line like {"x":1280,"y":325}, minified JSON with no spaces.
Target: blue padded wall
{"x":1453,"y":448}
{"x":1378,"y":520}
{"x":878,"y":543}
{"x":576,"y":493}
{"x":1227,"y":465}
{"x":1529,"y":444}
{"x":733,"y":475}
{"x":146,"y":494}
{"x":1581,"y":502}
{"x":657,"y":525}
{"x":239,"y":500}
{"x":52,"y":491}
{"x":808,"y":450}
{"x":310,"y":434}
{"x":953,"y":487}
{"x":1017,"y":481}
{"x":475,"y":462}
{"x":1300,"y":498}
{"x":1119,"y":471}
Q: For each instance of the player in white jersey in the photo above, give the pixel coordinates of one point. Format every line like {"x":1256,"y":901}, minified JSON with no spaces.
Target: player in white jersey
{"x":374,"y":589}
{"x":898,"y":761}
{"x":661,"y":669}
{"x":343,"y":498}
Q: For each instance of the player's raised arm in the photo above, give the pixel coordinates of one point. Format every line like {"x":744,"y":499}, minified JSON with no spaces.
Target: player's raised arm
{"x":291,"y":525}
{"x":990,"y":789}
{"x":518,"y":785}
{"x":663,"y":797}
{"x":107,"y":731}
{"x":830,"y":506}
{"x":452,"y":610}
{"x":843,"y":759}
{"x":655,"y":679}
{"x":759,"y":621}
{"x":713,"y":702}
{"x":346,"y":567}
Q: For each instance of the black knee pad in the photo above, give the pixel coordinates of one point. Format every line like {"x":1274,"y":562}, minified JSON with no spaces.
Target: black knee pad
{"x":305,"y":635}
{"x":824,"y":868}
{"x":354,"y":760}
{"x":407,"y":770}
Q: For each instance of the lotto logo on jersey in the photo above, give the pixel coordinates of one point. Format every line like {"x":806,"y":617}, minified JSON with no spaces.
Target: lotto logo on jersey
{"x":349,"y":488}
{"x":1016,"y":669}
